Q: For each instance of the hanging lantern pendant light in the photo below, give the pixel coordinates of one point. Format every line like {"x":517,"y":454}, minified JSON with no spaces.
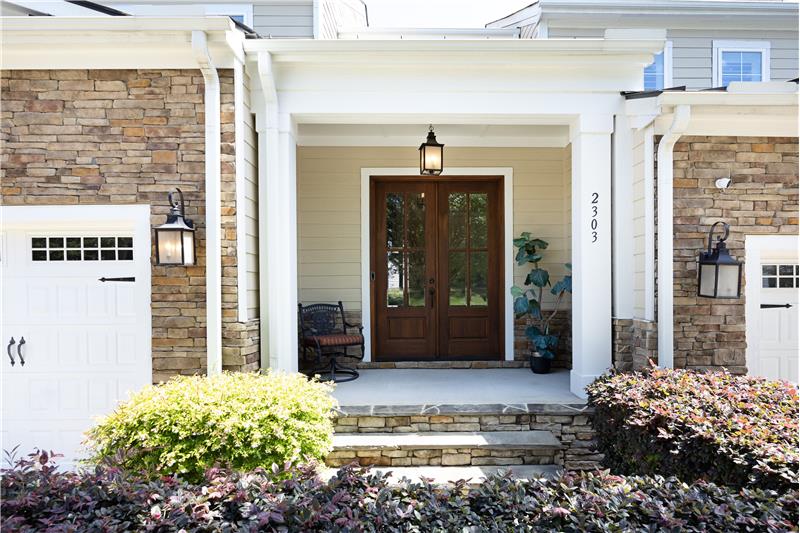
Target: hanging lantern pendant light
{"x":719,"y":275}
{"x":431,"y":155}
{"x":175,"y":238}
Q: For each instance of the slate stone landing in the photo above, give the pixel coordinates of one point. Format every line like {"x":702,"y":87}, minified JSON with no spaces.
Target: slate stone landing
{"x":466,"y":435}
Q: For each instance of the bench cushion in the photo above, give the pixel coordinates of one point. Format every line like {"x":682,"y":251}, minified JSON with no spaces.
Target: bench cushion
{"x":340,"y":339}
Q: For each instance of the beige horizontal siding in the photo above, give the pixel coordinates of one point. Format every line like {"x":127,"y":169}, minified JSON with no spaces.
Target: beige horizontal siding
{"x":329,"y":208}
{"x":638,"y":224}
{"x":251,"y":204}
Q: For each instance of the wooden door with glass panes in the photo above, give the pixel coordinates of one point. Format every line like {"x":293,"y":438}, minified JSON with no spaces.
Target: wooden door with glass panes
{"x":436,"y":269}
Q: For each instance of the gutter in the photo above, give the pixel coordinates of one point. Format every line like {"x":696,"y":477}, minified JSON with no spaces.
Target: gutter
{"x":213,"y":209}
{"x":680,"y":123}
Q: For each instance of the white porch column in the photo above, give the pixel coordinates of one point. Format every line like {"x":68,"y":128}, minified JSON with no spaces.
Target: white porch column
{"x":281,"y":244}
{"x":591,"y":249}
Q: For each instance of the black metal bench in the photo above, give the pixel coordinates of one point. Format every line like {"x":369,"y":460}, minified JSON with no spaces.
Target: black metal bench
{"x":324,"y":332}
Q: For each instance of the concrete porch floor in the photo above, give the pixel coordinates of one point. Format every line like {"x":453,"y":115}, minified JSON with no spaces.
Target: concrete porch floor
{"x":510,"y":386}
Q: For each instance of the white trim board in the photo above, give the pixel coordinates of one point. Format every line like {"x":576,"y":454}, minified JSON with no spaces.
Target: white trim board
{"x":757,"y":249}
{"x":508,"y":244}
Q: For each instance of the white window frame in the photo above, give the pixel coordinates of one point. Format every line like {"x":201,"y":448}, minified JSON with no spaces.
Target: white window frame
{"x":739,"y":46}
{"x":667,"y":67}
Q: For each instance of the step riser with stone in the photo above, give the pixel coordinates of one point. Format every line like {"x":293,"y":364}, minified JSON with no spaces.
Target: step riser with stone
{"x":569,"y":424}
{"x":445,"y":457}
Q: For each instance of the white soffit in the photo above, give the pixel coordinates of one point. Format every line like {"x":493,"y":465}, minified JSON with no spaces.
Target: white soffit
{"x":472,"y":135}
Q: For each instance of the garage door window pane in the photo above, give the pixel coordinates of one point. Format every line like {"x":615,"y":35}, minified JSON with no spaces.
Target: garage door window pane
{"x":81,"y":248}
{"x":780,"y":276}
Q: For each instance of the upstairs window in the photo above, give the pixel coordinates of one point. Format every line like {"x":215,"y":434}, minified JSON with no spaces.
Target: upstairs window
{"x":658,"y":74}
{"x":740,"y":61}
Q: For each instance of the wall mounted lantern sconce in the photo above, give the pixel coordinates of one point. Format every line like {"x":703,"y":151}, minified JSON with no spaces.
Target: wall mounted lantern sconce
{"x":431,"y":155}
{"x":175,"y":238}
{"x":719,"y":275}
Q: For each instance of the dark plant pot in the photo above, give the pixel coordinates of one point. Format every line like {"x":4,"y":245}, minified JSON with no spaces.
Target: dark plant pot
{"x":540,"y":365}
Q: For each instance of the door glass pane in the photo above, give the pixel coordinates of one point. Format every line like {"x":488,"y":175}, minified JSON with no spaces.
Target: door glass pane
{"x":457,"y":263}
{"x":416,"y":279}
{"x":477,"y":219}
{"x":478,"y":273}
{"x":394,"y":220}
{"x":457,"y":221}
{"x":395,"y":281}
{"x":416,"y":220}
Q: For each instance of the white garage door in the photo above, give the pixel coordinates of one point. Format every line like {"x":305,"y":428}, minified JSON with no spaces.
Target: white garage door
{"x":73,"y":345}
{"x":771,"y":305}
{"x":777,"y":356}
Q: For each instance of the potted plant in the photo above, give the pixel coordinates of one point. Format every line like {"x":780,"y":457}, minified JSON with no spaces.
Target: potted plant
{"x":528,"y":301}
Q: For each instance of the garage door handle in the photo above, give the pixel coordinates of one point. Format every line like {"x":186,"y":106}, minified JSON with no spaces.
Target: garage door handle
{"x":19,"y":351}
{"x":775,"y":306}
{"x":129,"y":279}
{"x":11,"y":343}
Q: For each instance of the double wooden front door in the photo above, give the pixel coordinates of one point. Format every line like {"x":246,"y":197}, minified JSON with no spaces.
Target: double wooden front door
{"x":436,"y":268}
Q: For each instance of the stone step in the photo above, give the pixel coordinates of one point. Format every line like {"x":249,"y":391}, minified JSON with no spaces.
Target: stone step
{"x":489,"y":448}
{"x":514,"y":440}
{"x":450,"y":474}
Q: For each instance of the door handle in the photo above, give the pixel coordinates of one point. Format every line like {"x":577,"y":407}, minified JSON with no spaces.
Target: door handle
{"x":11,"y":343}
{"x":431,"y":292}
{"x":19,"y":351}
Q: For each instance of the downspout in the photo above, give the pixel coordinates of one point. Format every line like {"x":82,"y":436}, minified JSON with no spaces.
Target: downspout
{"x":680,"y":122}
{"x":213,"y":198}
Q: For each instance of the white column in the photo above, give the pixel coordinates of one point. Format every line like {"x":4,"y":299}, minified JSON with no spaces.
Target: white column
{"x":591,"y":249}
{"x":281,"y":243}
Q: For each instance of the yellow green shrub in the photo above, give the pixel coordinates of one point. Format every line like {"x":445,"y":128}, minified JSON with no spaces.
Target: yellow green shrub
{"x":235,"y":420}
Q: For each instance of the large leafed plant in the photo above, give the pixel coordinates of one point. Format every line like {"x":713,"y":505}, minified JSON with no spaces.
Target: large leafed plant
{"x":528,"y":299}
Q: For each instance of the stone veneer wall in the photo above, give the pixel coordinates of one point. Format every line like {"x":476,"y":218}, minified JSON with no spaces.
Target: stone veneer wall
{"x":130,"y":136}
{"x":635,"y":343}
{"x":762,"y":200}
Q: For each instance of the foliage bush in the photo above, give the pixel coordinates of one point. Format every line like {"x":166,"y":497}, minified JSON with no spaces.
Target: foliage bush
{"x":733,"y":430}
{"x":35,"y":497}
{"x":235,"y":420}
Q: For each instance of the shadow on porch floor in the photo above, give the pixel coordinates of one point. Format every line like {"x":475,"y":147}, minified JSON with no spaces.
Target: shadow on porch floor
{"x":456,"y":387}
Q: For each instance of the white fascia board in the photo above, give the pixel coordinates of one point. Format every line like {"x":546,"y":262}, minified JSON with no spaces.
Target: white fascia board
{"x":445,"y":50}
{"x":724,"y":98}
{"x":672,"y":10}
{"x":114,"y":42}
{"x":120,"y":24}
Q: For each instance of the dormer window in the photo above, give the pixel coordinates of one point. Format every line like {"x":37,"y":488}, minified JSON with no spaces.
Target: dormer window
{"x":740,"y":61}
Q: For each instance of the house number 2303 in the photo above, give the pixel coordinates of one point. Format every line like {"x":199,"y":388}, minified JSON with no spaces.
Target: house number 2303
{"x":593,"y":222}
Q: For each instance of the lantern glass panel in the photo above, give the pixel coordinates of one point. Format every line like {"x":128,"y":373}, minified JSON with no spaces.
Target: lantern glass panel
{"x":169,"y":247}
{"x":707,"y":280}
{"x":188,"y":247}
{"x":433,"y":158}
{"x":728,"y":283}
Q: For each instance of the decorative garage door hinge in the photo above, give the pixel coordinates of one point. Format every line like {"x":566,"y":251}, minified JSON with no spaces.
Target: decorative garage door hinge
{"x":130,"y":279}
{"x":774,"y":306}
